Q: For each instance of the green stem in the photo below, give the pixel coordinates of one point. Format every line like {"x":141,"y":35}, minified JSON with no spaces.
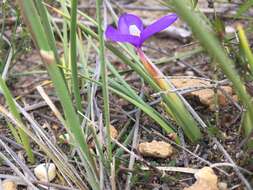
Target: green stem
{"x":73,"y":55}
{"x":104,"y":76}
{"x":212,"y":45}
{"x":23,"y":136}
{"x":34,"y":22}
{"x":176,"y":109}
{"x":182,"y":119}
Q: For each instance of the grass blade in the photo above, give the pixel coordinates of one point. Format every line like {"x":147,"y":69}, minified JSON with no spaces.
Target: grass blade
{"x":23,"y":137}
{"x":245,"y":46}
{"x":73,"y":55}
{"x":104,"y":77}
{"x":33,"y":20}
{"x":212,"y":45}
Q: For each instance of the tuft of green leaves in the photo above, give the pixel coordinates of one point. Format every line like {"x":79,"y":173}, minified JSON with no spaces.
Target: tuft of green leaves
{"x":24,"y":139}
{"x":215,"y":49}
{"x":244,"y":8}
{"x":38,"y":27}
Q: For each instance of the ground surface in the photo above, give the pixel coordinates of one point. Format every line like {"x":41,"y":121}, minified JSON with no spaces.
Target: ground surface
{"x":224,"y":140}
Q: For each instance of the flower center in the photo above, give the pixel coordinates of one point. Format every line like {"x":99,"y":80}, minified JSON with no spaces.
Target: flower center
{"x":134,"y":30}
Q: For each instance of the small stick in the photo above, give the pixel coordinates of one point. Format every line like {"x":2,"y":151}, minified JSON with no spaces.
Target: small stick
{"x":9,"y":58}
{"x":50,"y":104}
{"x":179,"y":146}
{"x":181,"y":136}
{"x":175,"y":169}
{"x":134,"y":145}
{"x":20,"y":181}
{"x":136,"y":156}
{"x":228,"y":157}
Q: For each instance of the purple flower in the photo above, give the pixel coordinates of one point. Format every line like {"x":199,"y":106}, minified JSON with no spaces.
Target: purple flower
{"x":131,"y":29}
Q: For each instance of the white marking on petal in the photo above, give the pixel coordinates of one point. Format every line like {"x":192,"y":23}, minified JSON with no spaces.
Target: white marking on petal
{"x":134,"y":30}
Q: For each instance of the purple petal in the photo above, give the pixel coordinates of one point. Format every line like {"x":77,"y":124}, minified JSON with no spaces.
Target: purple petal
{"x":158,"y":26}
{"x":112,"y":34}
{"x":126,"y":20}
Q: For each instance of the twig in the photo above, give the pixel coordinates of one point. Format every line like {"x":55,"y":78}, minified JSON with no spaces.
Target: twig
{"x":134,"y":145}
{"x":68,"y":171}
{"x":112,"y":177}
{"x":8,"y":61}
{"x":231,"y":165}
{"x":15,"y":169}
{"x":16,"y":145}
{"x":136,"y":156}
{"x":50,"y":103}
{"x":181,"y":147}
{"x":175,"y":169}
{"x":227,"y":156}
{"x":20,"y":181}
{"x":181,"y":136}
{"x":17,"y":160}
{"x":36,"y":106}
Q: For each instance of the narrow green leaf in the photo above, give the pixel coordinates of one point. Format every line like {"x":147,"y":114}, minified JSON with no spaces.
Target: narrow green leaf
{"x":11,"y":104}
{"x":104,"y":77}
{"x":73,"y":55}
{"x":244,"y":8}
{"x":33,"y":20}
{"x":185,"y":121}
{"x":212,"y":45}
{"x":245,"y":47}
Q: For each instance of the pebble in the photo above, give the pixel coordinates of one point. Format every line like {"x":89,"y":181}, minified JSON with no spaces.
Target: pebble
{"x":113,"y":132}
{"x":205,"y":180}
{"x":45,"y":172}
{"x":156,"y":149}
{"x":8,"y":184}
{"x":222,"y":186}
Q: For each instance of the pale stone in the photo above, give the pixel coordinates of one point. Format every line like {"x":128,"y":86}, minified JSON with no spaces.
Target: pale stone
{"x":113,"y":132}
{"x":206,"y":180}
{"x":9,"y":185}
{"x":45,"y":172}
{"x":157,"y":149}
{"x":222,"y":186}
{"x":205,"y":95}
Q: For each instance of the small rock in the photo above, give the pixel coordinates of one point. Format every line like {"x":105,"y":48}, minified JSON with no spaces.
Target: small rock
{"x":206,"y":180}
{"x":207,"y":174}
{"x":189,"y":73}
{"x":178,"y":33}
{"x":113,"y":132}
{"x":222,"y":186}
{"x":206,"y":95}
{"x":157,"y":149}
{"x":45,"y":172}
{"x":8,"y":184}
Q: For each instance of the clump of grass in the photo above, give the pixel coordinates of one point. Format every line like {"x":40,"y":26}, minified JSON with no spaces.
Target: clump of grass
{"x":34,"y":12}
{"x":215,"y":49}
{"x":20,"y":135}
